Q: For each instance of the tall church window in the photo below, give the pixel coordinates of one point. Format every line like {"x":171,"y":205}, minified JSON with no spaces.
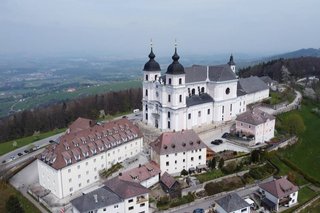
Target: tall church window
{"x":199,"y":113}
{"x":146,"y":92}
{"x":202,"y":90}
{"x":222,"y":109}
{"x":146,"y":116}
{"x":170,"y":81}
{"x":169,"y":125}
{"x":230,"y":108}
{"x":169,"y":98}
{"x":228,"y":91}
{"x":189,"y":116}
{"x":193,"y":91}
{"x":146,"y":107}
{"x":155,"y":77}
{"x":180,"y":80}
{"x":147,"y":77}
{"x":168,"y":114}
{"x":180,"y":98}
{"x":208,"y":111}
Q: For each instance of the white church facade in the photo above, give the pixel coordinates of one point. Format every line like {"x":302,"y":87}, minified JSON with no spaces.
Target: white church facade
{"x":185,"y":98}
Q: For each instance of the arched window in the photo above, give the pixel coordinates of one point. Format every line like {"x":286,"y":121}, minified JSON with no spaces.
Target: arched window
{"x":193,"y":91}
{"x":202,"y":90}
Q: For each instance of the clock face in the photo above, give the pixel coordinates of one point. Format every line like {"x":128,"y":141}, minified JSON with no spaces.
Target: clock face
{"x":227,"y":90}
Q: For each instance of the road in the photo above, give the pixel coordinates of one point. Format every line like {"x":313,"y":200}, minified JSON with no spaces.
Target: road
{"x":40,"y":143}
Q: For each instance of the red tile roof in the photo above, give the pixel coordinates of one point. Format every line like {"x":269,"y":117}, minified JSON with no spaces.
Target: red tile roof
{"x":141,"y":173}
{"x":174,"y":142}
{"x":125,"y":189}
{"x":168,"y":180}
{"x":77,"y":141}
{"x":279,"y":188}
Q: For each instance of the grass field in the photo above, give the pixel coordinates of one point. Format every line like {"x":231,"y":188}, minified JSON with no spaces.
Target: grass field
{"x":314,"y":208}
{"x":8,"y":146}
{"x":305,"y":194}
{"x":84,"y":91}
{"x":306,"y":153}
{"x":6,"y":190}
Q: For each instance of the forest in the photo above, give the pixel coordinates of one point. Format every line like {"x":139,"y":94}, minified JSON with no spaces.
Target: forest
{"x":60,"y":115}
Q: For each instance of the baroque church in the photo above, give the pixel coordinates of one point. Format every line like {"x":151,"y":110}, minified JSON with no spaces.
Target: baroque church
{"x":185,"y":98}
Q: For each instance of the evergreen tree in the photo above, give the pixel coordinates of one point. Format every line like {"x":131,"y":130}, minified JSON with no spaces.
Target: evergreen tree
{"x":221,"y":163}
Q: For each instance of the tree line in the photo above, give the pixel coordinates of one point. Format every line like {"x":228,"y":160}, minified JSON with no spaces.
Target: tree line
{"x":60,"y":115}
{"x":297,"y":67}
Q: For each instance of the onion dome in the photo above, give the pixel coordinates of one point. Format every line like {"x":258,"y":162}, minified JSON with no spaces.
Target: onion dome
{"x":231,"y":62}
{"x":175,"y":68}
{"x":152,"y":65}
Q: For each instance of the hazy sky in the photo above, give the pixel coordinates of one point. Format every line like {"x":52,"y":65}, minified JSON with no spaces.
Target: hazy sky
{"x":124,"y":28}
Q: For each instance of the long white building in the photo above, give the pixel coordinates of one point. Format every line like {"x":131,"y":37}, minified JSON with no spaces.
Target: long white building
{"x":83,"y":151}
{"x":184,"y":98}
{"x":176,"y":151}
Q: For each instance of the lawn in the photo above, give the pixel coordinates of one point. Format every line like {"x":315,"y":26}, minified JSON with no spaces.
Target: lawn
{"x":305,"y":194}
{"x":277,"y":97}
{"x":6,"y":190}
{"x":210,"y":175}
{"x":314,"y":208}
{"x":8,"y":146}
{"x":306,"y":153}
{"x":285,"y":170}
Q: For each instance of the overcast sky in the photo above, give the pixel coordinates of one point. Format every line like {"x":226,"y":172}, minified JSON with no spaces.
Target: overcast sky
{"x":124,"y":28}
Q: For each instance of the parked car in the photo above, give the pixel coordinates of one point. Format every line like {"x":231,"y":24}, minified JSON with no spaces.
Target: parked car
{"x":26,"y":151}
{"x":217,"y":142}
{"x":198,"y":210}
{"x":225,"y":135}
{"x":20,"y":154}
{"x":12,"y":157}
{"x":51,"y":141}
{"x":4,"y":161}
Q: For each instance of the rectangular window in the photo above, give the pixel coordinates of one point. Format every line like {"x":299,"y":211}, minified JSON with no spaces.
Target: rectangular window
{"x":175,"y":161}
{"x":230,"y":107}
{"x":180,"y":80}
{"x":208,"y":111}
{"x":169,"y":125}
{"x":199,"y":114}
{"x":222,"y":109}
{"x":170,"y":81}
{"x":184,"y":160}
{"x":169,"y":98}
{"x":243,"y":210}
{"x":189,"y":116}
{"x":168,"y":114}
{"x":167,"y":163}
{"x":155,"y":77}
{"x":146,"y":92}
{"x":199,"y":157}
{"x":142,"y":204}
{"x":131,"y":207}
{"x":115,"y":206}
{"x":147,"y":77}
{"x":180,"y":98}
{"x":146,"y":116}
{"x":130,"y":201}
{"x":191,"y":158}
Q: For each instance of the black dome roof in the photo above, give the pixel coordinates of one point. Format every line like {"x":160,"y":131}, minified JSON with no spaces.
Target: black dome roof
{"x":175,"y":68}
{"x":151,"y":65}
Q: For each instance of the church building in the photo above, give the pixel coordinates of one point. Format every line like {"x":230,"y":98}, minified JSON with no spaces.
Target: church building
{"x":185,"y":98}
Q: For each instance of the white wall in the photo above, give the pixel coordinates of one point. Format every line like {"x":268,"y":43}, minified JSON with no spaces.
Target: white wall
{"x":181,"y":160}
{"x":115,"y":208}
{"x":204,"y":118}
{"x":150,"y":182}
{"x":138,"y":206}
{"x":75,"y":177}
{"x":257,"y":96}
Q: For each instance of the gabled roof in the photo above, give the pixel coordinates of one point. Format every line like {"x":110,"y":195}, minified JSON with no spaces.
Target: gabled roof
{"x":217,"y":73}
{"x":198,"y":99}
{"x":96,"y":199}
{"x":81,"y":124}
{"x":125,"y":189}
{"x":141,"y":173}
{"x":174,"y":142}
{"x":252,"y":84}
{"x":221,"y":73}
{"x":279,"y":187}
{"x":168,"y":180}
{"x":266,"y":79}
{"x":232,"y":202}
{"x":254,"y":117}
{"x":87,"y":141}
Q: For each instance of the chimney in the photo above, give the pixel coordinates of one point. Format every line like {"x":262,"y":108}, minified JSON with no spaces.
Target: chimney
{"x":95,"y":196}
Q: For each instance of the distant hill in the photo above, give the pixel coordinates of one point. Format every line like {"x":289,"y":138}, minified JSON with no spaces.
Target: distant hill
{"x":309,"y":52}
{"x":297,"y":67}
